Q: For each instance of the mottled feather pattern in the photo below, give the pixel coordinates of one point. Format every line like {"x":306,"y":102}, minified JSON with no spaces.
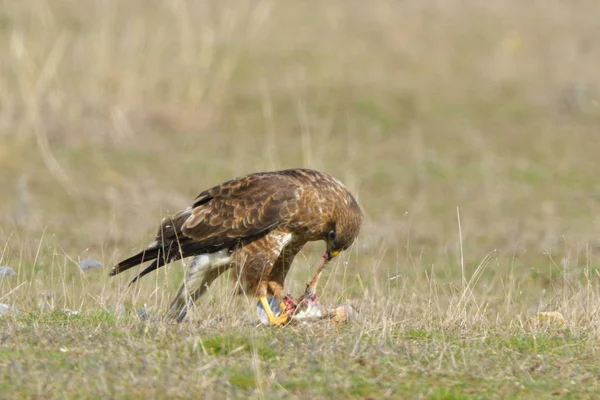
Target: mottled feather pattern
{"x":262,"y":220}
{"x":240,"y":208}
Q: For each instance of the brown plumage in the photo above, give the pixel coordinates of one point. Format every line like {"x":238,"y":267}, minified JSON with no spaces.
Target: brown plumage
{"x":256,"y":224}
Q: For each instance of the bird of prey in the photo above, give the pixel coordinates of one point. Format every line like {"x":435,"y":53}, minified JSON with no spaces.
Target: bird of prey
{"x":255,"y":225}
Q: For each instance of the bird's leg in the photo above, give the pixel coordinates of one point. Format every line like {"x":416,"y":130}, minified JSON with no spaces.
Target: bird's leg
{"x":286,"y":304}
{"x":276,"y":287}
{"x":280,"y":320}
{"x":195,"y":284}
{"x":310,"y":292}
{"x":315,"y":280}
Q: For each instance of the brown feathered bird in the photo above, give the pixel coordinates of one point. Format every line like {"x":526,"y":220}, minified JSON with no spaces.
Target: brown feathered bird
{"x":255,"y":224}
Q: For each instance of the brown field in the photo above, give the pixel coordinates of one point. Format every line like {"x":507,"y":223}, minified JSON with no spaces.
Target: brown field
{"x":469,"y":132}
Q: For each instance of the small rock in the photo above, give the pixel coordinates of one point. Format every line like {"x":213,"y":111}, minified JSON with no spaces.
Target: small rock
{"x":143,"y":314}
{"x":6,"y":309}
{"x":6,"y":272}
{"x":118,"y":309}
{"x":89,"y":263}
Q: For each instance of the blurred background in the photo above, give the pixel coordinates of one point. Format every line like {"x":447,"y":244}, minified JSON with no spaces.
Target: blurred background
{"x":114,"y":114}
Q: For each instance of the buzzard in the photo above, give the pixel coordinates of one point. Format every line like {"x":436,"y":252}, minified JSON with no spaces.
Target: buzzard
{"x":255,"y":225}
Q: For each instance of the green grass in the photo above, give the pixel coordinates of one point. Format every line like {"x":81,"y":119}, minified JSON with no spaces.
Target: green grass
{"x":468,"y":131}
{"x":316,"y":361}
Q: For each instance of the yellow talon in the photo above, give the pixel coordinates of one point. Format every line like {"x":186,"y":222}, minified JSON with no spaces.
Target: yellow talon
{"x":273,"y":320}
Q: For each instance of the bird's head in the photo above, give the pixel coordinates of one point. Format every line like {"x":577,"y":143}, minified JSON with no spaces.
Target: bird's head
{"x":343,"y":228}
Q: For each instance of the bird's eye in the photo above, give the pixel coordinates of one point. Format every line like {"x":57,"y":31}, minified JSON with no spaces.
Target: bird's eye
{"x":332,"y":236}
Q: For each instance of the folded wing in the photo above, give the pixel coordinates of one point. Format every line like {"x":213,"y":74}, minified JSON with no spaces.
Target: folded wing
{"x":223,"y":217}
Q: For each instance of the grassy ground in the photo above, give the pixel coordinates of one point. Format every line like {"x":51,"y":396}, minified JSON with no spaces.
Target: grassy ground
{"x":469,"y":132}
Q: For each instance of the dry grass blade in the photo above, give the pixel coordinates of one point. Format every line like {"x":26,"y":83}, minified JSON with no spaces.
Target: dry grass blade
{"x":462,"y":127}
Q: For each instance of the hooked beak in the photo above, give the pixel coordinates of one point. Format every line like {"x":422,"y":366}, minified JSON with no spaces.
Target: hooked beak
{"x":331,"y":254}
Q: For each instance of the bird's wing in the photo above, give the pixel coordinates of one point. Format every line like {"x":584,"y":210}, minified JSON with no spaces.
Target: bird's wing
{"x":236,"y":212}
{"x":243,"y":208}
